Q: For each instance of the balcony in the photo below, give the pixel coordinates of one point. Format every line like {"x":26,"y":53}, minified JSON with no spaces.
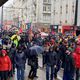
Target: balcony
{"x":47,"y":3}
{"x":46,"y":12}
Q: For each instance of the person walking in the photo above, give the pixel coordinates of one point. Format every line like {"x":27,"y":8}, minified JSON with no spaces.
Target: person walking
{"x":20,"y":60}
{"x":51,"y":61}
{"x":63,"y":49}
{"x":12,"y":52}
{"x":69,"y":66}
{"x":33,"y":62}
{"x":5,"y":65}
{"x":57,"y":69}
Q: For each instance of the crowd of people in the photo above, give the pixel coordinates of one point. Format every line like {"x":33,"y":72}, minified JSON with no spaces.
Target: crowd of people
{"x":60,"y":52}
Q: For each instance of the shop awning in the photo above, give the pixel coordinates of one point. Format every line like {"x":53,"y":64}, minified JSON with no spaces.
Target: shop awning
{"x":2,"y":2}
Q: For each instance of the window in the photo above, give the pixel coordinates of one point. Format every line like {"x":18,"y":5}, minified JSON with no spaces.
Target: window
{"x":73,"y":8}
{"x":54,"y":11}
{"x":60,"y":22}
{"x":65,"y":21}
{"x":46,"y":8}
{"x":49,"y":8}
{"x":44,"y":0}
{"x":60,"y":9}
{"x":66,"y":8}
{"x":49,"y":1}
{"x":47,"y":17}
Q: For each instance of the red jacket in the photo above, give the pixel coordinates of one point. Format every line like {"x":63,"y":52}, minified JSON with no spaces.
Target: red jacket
{"x":76,"y":56}
{"x":5,"y":63}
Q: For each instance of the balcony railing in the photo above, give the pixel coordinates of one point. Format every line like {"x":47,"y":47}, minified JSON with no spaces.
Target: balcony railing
{"x":49,"y":3}
{"x":47,"y":12}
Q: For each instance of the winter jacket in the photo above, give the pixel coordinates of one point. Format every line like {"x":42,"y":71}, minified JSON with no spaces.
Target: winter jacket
{"x":5,"y":62}
{"x":32,"y":58}
{"x":63,"y":49}
{"x":33,"y":61}
{"x":76,"y":56}
{"x":69,"y":65}
{"x":12,"y":54}
{"x":20,"y":59}
{"x":51,"y":58}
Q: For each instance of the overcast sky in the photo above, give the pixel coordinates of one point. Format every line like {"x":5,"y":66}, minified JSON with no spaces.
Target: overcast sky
{"x":6,"y":4}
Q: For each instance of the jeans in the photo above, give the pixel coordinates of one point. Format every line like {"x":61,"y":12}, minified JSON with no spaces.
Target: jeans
{"x":57,"y":69}
{"x":48,"y":72}
{"x":77,"y":74}
{"x":20,"y":73}
{"x":68,"y":76}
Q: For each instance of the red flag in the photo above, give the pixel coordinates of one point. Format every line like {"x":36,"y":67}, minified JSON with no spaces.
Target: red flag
{"x":20,"y":30}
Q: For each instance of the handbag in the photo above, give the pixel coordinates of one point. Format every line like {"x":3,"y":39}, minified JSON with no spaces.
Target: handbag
{"x":31,"y":63}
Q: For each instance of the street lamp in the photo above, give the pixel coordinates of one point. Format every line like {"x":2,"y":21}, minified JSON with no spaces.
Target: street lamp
{"x":76,"y":13}
{"x":1,"y":18}
{"x":76,"y":16}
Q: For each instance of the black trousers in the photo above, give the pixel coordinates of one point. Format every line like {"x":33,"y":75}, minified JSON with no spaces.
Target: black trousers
{"x":77,"y":74}
{"x":3,"y":75}
{"x":32,"y":72}
{"x":57,"y":69}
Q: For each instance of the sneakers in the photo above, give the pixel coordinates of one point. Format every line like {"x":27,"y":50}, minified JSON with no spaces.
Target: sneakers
{"x":36,"y":76}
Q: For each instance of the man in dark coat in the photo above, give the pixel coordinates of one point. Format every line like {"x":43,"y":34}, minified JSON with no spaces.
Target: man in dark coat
{"x":12,"y":55}
{"x":20,"y":60}
{"x":59,"y":55}
{"x":63,"y":49}
{"x":33,"y":62}
{"x":51,"y":61}
{"x":69,"y":66}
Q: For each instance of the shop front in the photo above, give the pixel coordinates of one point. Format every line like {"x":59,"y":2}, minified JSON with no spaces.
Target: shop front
{"x":69,"y":30}
{"x":66,"y":29}
{"x":54,"y":28}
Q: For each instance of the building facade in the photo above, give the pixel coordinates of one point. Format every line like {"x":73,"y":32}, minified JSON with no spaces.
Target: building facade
{"x":46,"y":12}
{"x":78,"y":23}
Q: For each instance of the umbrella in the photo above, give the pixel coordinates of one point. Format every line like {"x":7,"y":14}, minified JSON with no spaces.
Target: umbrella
{"x":35,"y":50}
{"x":43,"y":34}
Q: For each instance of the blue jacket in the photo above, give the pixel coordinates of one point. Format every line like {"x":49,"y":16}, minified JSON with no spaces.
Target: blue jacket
{"x":20,"y":59}
{"x":51,"y":58}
